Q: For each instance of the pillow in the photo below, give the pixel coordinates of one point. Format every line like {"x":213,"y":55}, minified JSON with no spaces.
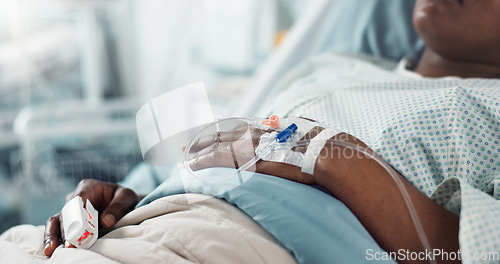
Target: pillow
{"x":382,"y":28}
{"x":313,"y":225}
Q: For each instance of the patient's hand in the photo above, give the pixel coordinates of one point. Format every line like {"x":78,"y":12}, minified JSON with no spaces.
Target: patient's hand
{"x":111,"y":200}
{"x":234,"y":149}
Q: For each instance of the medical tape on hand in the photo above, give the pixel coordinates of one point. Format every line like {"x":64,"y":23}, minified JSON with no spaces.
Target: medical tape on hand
{"x":314,"y":149}
{"x":283,"y":153}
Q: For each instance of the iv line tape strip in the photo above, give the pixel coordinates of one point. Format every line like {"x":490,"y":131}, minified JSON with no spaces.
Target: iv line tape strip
{"x":304,"y":126}
{"x":314,"y":149}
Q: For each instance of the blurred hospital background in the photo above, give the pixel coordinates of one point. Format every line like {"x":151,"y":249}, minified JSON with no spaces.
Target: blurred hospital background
{"x":73,"y":73}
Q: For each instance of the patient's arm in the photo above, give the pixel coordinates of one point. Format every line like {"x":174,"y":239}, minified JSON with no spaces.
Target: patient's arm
{"x":372,"y":195}
{"x":366,"y":188}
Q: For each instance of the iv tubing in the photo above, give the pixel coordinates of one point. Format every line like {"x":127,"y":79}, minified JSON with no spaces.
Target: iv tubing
{"x":411,"y":208}
{"x":272,"y":146}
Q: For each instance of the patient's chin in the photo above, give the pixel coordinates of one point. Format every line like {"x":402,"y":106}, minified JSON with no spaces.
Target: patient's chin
{"x":442,"y":38}
{"x":435,"y":20}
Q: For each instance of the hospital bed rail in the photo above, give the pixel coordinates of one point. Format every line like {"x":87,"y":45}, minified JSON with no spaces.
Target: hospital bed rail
{"x":300,"y":42}
{"x":64,"y":143}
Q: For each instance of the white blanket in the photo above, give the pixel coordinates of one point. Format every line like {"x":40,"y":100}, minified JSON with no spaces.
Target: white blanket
{"x":169,"y":230}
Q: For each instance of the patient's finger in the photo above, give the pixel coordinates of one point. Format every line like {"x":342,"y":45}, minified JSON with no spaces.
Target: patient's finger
{"x":218,"y":137}
{"x":214,"y":159}
{"x":123,"y":201}
{"x":52,"y":235}
{"x":218,"y":146}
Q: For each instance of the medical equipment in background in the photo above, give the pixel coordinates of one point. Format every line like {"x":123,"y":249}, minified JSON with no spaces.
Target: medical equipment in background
{"x":35,"y":65}
{"x":38,"y":62}
{"x":9,"y":195}
{"x":68,"y":142}
{"x":9,"y":205}
{"x":93,"y":46}
{"x":242,"y":127}
{"x":52,"y":52}
{"x":80,"y":224}
{"x":218,"y":41}
{"x":8,"y":137}
{"x":235,"y":36}
{"x":80,"y":136}
{"x":299,"y":43}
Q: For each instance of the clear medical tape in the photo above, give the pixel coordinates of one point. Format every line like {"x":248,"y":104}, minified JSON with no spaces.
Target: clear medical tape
{"x":314,"y":148}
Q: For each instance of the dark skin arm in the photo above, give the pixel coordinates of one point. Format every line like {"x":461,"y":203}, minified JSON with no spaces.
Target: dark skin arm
{"x":369,"y":191}
{"x":372,"y":195}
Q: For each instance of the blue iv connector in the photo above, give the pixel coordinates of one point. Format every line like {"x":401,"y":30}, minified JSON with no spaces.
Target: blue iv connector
{"x":284,"y":135}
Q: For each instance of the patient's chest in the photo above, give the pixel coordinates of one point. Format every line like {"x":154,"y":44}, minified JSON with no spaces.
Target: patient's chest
{"x":428,"y":130}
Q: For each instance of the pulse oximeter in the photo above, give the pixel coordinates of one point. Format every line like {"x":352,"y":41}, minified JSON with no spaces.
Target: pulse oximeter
{"x":80,"y":223}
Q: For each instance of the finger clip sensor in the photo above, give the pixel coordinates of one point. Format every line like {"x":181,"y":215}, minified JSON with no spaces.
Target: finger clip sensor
{"x":80,"y":223}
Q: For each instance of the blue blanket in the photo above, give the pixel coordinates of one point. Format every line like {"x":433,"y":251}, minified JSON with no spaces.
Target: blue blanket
{"x":313,"y":225}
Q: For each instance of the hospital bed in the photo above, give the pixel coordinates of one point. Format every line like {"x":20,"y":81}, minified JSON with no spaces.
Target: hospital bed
{"x":325,"y":27}
{"x":381,"y":28}
{"x":54,"y":122}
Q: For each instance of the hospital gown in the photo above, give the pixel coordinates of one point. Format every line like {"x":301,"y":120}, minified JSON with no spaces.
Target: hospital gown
{"x":441,"y":134}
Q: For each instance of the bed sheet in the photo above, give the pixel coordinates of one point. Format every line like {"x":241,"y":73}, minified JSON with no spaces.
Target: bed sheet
{"x":168,"y":230}
{"x":313,"y":225}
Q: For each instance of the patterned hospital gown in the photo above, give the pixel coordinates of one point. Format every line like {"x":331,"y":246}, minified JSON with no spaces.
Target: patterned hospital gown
{"x":442,"y":134}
